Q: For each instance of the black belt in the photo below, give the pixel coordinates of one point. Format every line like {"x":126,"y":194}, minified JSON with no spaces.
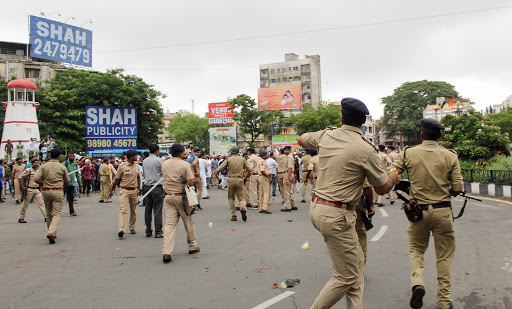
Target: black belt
{"x":435,"y":206}
{"x":159,"y":185}
{"x":37,"y":188}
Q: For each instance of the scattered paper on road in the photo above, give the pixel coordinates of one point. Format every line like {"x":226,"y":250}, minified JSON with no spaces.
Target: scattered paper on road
{"x":305,"y":246}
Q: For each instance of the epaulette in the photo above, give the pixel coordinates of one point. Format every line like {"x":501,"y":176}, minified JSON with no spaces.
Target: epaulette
{"x":453,"y":150}
{"x":328,"y":128}
{"x":369,"y":143}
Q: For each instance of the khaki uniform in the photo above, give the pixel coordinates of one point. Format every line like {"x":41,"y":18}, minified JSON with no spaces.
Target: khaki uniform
{"x":129,"y":176}
{"x":305,"y":161}
{"x":172,"y":169}
{"x":198,"y":180}
{"x":313,"y":167}
{"x":16,"y":172}
{"x":264,"y":185}
{"x":392,"y":157}
{"x":106,"y":182}
{"x":32,"y":192}
{"x":361,"y":228}
{"x":281,"y":172}
{"x":54,"y":176}
{"x":346,"y":158}
{"x":289,"y":202}
{"x":432,"y":169}
{"x":236,"y":166}
{"x":385,"y":162}
{"x":254,"y":161}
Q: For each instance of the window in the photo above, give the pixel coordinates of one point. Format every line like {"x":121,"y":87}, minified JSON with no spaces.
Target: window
{"x":290,"y":79}
{"x":290,"y":69}
{"x":273,"y":80}
{"x":32,"y":73}
{"x":295,"y":68}
{"x":278,"y":80}
{"x":283,"y":70}
{"x":278,"y":70}
{"x":296,"y":78}
{"x":272,"y":71}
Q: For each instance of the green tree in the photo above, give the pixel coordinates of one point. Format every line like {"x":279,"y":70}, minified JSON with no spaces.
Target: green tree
{"x":186,"y":127}
{"x":317,"y":118}
{"x":63,"y":102}
{"x":403,"y":110}
{"x":503,"y":120}
{"x":252,"y":121}
{"x":474,"y":136}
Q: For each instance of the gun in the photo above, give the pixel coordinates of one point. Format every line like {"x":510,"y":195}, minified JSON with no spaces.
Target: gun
{"x":362,"y":212}
{"x":25,"y":185}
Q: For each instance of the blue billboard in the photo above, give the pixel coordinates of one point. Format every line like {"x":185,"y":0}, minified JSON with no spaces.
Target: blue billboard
{"x":56,"y":41}
{"x":110,"y":128}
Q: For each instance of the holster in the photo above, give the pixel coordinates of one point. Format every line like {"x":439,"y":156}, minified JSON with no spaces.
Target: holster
{"x":412,"y":211}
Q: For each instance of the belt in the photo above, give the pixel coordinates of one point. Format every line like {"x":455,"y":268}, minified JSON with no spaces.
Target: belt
{"x":152,"y":185}
{"x":254,"y":174}
{"x":173,"y":193}
{"x":435,"y":206}
{"x":281,"y":172}
{"x":37,"y":188}
{"x":320,"y":200}
{"x":234,"y":177}
{"x":128,"y":188}
{"x":48,"y":189}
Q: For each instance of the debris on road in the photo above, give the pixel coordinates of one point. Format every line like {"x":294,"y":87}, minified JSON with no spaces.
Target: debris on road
{"x":283,"y":285}
{"x":233,"y":230}
{"x":305,"y":246}
{"x":274,"y":286}
{"x":210,"y":225}
{"x":290,"y":220}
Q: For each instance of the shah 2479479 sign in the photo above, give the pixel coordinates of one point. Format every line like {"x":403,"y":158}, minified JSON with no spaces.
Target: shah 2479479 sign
{"x":110,"y":128}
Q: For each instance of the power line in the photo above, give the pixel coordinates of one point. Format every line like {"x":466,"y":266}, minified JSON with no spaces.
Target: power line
{"x":309,"y":31}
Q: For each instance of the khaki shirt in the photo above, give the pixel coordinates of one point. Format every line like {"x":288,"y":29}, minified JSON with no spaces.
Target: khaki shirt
{"x":235,"y":165}
{"x":128,"y":174}
{"x":281,"y":163}
{"x":17,"y":170}
{"x":172,"y":169}
{"x":113,"y":171}
{"x":385,"y":161}
{"x":105,"y":171}
{"x":31,"y":173}
{"x":53,"y":174}
{"x":305,"y":160}
{"x":346,"y":157}
{"x":263,"y":167}
{"x":254,"y":161}
{"x":195,"y":167}
{"x":290,"y":163}
{"x":432,"y":168}
{"x":313,"y":166}
{"x":393,"y":156}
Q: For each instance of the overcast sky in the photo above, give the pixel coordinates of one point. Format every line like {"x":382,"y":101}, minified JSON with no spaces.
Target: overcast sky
{"x":471,"y":51}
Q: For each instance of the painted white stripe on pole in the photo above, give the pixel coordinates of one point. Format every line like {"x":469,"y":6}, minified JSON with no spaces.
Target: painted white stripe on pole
{"x":384,"y":213}
{"x":381,"y":233}
{"x":274,"y":300}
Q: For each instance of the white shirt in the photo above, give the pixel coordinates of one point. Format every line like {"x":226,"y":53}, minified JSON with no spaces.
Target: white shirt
{"x":208,"y":168}
{"x":272,"y":165}
{"x":202,"y":166}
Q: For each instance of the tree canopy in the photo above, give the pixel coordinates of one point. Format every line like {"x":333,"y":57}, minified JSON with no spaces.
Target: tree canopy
{"x":186,"y":127}
{"x":317,"y":118}
{"x":503,"y":120}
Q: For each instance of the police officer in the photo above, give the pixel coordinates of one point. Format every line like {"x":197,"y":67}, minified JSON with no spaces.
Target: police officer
{"x":128,"y":178}
{"x":281,"y":171}
{"x":17,"y":169}
{"x":312,"y":172}
{"x":53,"y":176}
{"x":435,"y":176}
{"x":288,"y":180}
{"x":238,"y":171}
{"x":106,"y":181}
{"x":305,"y":161}
{"x":264,"y":181}
{"x":32,"y":191}
{"x":254,"y":188}
{"x":173,"y":171}
{"x":346,"y":158}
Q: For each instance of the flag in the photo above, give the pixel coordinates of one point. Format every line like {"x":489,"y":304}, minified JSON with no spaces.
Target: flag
{"x":451,"y":101}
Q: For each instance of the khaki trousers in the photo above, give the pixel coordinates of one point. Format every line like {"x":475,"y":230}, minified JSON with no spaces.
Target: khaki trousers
{"x":264,"y":185}
{"x":361,"y":234}
{"x":236,"y":189}
{"x":337,"y":226}
{"x":391,"y":197}
{"x":38,"y":197}
{"x":254,"y":190}
{"x":17,"y":189}
{"x":127,"y":198}
{"x":247,"y":185}
{"x":105,"y":188}
{"x":304,"y":186}
{"x":199,"y":188}
{"x":53,"y":203}
{"x":440,"y":223}
{"x":289,"y":202}
{"x":174,"y":210}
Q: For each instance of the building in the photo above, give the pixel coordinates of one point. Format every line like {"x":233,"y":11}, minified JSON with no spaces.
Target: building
{"x":441,"y":108}
{"x":165,"y":136}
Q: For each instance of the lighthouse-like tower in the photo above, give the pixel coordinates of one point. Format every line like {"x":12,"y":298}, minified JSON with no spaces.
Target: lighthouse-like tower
{"x":20,"y":122}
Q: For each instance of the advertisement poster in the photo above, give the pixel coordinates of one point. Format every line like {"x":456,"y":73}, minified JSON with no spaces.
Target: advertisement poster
{"x":221,"y":140}
{"x":287,"y":136}
{"x":219,"y":113}
{"x":279,"y":98}
{"x":110,"y":128}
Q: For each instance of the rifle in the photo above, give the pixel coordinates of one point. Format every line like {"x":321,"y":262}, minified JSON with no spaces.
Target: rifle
{"x":362,"y":209}
{"x":463,"y":194}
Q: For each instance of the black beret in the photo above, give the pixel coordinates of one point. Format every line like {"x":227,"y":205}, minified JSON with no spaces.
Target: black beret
{"x":132,"y":152}
{"x":392,"y":147}
{"x":287,"y":147}
{"x":429,"y":124}
{"x":354,"y":105}
{"x":18,"y":159}
{"x":382,"y":147}
{"x":197,"y":149}
{"x":55,"y":152}
{"x":34,"y":160}
{"x":177,"y":147}
{"x":263,"y":153}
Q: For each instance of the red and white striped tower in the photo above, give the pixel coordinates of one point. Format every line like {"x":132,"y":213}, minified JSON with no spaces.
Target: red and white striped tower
{"x":20,"y":122}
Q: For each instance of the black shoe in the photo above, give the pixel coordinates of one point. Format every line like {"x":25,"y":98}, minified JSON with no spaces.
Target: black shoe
{"x":256,"y":207}
{"x":248,"y":205}
{"x":392,"y":202}
{"x":167,"y":258}
{"x":51,"y":238}
{"x":17,"y":202}
{"x":295,"y":208}
{"x":22,"y":221}
{"x":418,"y":291}
{"x":44,"y":219}
{"x":237,"y":208}
{"x":205,"y":197}
{"x":273,"y":194}
{"x":303,"y":201}
{"x":149,"y":234}
{"x":244,"y":214}
{"x":196,"y":250}
{"x":265,"y":212}
{"x":381,"y":205}
{"x":133,"y":232}
{"x":120,"y":234}
{"x":101,"y":201}
{"x":286,"y":210}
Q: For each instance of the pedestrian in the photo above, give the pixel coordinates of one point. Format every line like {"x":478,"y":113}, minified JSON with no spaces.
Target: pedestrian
{"x":53,"y":176}
{"x":32,"y":147}
{"x":253,"y":181}
{"x":153,"y":202}
{"x":19,"y":150}
{"x":288,"y":181}
{"x":208,"y":172}
{"x":88,"y":176}
{"x":196,"y":170}
{"x":435,"y":176}
{"x":50,"y":145}
{"x":32,"y":189}
{"x":17,"y":169}
{"x":272,"y":165}
{"x":346,"y":158}
{"x":215,"y":165}
{"x":8,"y":178}
{"x":238,"y":170}
{"x":176,"y":171}
{"x":128,"y":178}
{"x":264,"y":181}
{"x":114,"y":165}
{"x":106,"y":181}
{"x":202,"y":172}
{"x":305,"y":180}
{"x":385,"y":161}
{"x":223,"y":176}
{"x":9,"y":147}
{"x":2,"y":184}
{"x":74,"y":183}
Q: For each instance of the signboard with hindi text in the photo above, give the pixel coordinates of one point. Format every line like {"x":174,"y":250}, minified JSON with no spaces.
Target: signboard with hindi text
{"x":219,"y":113}
{"x":110,"y":128}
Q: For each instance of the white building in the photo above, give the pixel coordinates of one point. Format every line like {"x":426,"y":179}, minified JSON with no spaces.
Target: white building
{"x":441,"y":109}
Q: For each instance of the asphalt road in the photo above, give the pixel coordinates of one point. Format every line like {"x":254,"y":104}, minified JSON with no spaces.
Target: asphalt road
{"x":90,"y":267}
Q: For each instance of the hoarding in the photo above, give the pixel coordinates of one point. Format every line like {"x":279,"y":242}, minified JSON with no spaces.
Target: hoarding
{"x":60,"y":42}
{"x":286,"y":136}
{"x":110,"y":128}
{"x":222,"y":139}
{"x":219,"y":113}
{"x":279,"y":98}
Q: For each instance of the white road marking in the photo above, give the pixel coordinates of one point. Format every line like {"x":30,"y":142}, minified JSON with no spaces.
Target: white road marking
{"x":274,"y":300}
{"x":384,"y":213}
{"x":381,"y":233}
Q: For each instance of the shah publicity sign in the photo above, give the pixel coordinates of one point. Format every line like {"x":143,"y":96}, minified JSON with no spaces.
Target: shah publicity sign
{"x":52,"y":40}
{"x":219,"y":113}
{"x":110,"y":128}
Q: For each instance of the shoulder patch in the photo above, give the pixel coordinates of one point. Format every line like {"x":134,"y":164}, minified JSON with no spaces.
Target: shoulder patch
{"x":452,"y":150}
{"x":369,"y":143}
{"x":326,"y":129}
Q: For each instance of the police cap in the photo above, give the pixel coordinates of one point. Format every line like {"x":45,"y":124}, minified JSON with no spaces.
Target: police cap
{"x":197,"y":149}
{"x":382,"y":147}
{"x":354,"y":105}
{"x":55,"y":152}
{"x":132,"y":152}
{"x":263,"y":153}
{"x":234,"y":150}
{"x":177,"y":147}
{"x":429,"y":124}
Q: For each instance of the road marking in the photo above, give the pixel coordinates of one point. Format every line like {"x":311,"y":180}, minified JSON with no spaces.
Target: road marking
{"x":274,"y":300}
{"x":384,"y":213}
{"x":491,"y":199}
{"x":381,"y":233}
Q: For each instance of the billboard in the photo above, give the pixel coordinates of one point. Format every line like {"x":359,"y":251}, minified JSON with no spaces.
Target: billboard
{"x":110,"y":128}
{"x":56,"y":41}
{"x":286,"y":136}
{"x":219,"y":113}
{"x":279,"y":98}
{"x":222,"y":139}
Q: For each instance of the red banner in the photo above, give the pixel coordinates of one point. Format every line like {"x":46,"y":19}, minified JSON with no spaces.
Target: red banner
{"x":219,"y":113}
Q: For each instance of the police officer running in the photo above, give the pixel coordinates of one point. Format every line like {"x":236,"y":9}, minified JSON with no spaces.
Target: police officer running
{"x":32,"y":191}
